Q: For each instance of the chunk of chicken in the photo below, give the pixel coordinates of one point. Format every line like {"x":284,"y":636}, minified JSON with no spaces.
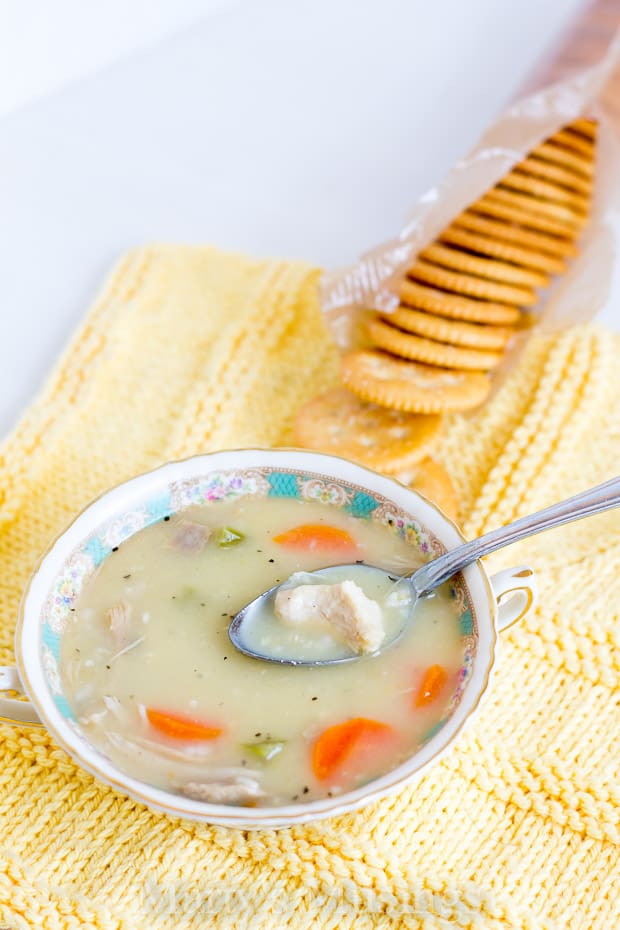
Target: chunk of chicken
{"x":191,"y":537}
{"x":238,"y":791}
{"x":343,"y":606}
{"x":119,"y":618}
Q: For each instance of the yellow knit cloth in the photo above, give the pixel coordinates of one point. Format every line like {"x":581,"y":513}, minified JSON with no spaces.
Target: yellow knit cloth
{"x":188,"y":350}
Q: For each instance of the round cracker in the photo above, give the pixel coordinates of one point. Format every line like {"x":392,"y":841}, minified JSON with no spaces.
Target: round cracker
{"x":339,"y":423}
{"x":557,"y":246}
{"x":559,"y":213}
{"x":471,"y":286}
{"x":482,"y":267}
{"x":408,"y":386}
{"x":574,"y":141}
{"x":431,"y":479}
{"x":503,"y":250}
{"x":454,"y":332}
{"x":456,"y":307}
{"x":419,"y":349}
{"x":587,"y":127}
{"x":567,"y":159}
{"x":538,"y":168}
{"x":490,"y":205}
{"x":525,"y":184}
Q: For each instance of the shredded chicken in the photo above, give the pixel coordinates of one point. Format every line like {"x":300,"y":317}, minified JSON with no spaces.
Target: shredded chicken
{"x":96,"y":717}
{"x":343,"y":606}
{"x":191,"y":537}
{"x":131,"y":645}
{"x":119,"y":617}
{"x":188,"y":754}
{"x":154,"y":753}
{"x":238,"y":791}
{"x":111,"y":705}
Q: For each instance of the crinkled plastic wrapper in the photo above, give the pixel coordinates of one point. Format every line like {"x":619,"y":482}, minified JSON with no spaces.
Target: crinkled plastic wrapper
{"x":588,"y":67}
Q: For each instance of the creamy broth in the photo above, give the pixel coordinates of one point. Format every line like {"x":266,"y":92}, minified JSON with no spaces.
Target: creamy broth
{"x":157,"y":686}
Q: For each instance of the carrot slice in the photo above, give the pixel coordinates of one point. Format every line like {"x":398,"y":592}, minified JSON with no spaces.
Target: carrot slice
{"x":317,"y":536}
{"x":180,"y":727}
{"x":432,"y":683}
{"x":337,"y":742}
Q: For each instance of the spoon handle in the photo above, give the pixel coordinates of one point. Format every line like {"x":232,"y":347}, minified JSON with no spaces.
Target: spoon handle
{"x":602,"y":497}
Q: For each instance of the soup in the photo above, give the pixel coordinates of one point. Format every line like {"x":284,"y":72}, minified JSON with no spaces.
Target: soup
{"x":156,"y":685}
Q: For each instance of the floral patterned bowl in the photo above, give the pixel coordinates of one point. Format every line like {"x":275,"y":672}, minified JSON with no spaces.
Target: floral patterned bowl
{"x":108,"y":521}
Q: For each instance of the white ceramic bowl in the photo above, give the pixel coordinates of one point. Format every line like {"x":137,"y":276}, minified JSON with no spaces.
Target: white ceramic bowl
{"x":488,"y":605}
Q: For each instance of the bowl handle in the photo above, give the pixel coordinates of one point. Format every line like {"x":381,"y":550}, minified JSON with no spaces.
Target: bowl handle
{"x":515,"y":590}
{"x":12,"y":711}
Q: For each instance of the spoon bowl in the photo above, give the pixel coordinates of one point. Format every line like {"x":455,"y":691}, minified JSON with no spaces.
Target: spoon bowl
{"x":256,"y":627}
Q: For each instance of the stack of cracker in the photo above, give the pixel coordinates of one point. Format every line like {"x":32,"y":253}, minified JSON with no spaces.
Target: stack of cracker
{"x":461,"y":303}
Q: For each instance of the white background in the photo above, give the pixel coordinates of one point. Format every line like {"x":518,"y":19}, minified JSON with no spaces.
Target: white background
{"x":301,"y":128}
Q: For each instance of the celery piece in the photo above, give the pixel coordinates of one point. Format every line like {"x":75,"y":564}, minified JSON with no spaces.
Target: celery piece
{"x":265,"y":750}
{"x":228,"y":537}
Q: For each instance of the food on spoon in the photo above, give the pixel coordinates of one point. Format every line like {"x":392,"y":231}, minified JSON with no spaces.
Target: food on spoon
{"x":344,"y":607}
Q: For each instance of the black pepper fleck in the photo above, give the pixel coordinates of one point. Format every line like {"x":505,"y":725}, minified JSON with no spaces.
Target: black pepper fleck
{"x":166,"y":518}
{"x":202,"y":604}
{"x":272,"y":560}
{"x":126,"y":577}
{"x":295,"y":797}
{"x":225,"y":657}
{"x":115,"y":549}
{"x":306,"y":789}
{"x":315,"y":698}
{"x":359,"y":561}
{"x":258,"y":734}
{"x":329,"y":794}
{"x":108,"y":666}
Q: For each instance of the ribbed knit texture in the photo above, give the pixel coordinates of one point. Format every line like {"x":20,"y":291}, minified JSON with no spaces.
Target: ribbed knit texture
{"x":190,"y":350}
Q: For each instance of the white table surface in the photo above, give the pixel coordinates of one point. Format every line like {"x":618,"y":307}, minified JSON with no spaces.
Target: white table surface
{"x":303,"y":129}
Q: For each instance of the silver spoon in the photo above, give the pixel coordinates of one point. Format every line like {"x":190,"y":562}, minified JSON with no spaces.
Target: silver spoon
{"x":424,"y":580}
